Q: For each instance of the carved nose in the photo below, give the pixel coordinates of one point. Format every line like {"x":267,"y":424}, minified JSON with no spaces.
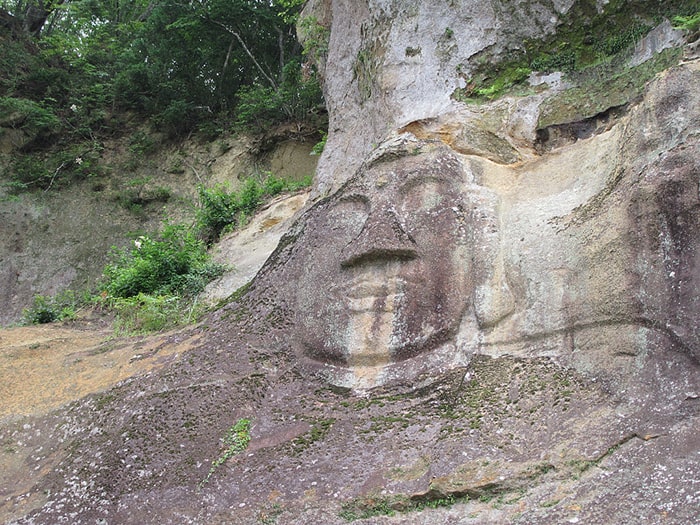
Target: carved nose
{"x":382,"y":237}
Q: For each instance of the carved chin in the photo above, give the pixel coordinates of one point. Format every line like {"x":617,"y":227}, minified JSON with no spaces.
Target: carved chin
{"x":375,"y":336}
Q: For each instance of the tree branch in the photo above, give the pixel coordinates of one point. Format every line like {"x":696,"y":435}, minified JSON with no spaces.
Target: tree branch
{"x":247,"y":50}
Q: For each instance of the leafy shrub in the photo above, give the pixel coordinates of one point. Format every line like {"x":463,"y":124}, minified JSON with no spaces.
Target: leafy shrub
{"x":687,"y":23}
{"x":46,"y":82}
{"x":320,"y":145}
{"x":141,"y":144}
{"x":295,"y":99}
{"x":147,"y":313}
{"x":36,"y":120}
{"x":35,"y":170}
{"x":177,"y":119}
{"x":315,"y":38}
{"x":153,"y":285}
{"x":45,"y":309}
{"x":175,"y":263}
{"x":132,"y":87}
{"x":28,"y":171}
{"x":220,"y":209}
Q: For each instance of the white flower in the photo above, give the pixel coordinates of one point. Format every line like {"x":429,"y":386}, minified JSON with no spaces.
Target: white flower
{"x":74,"y":108}
{"x":78,"y":160}
{"x":138,"y":242}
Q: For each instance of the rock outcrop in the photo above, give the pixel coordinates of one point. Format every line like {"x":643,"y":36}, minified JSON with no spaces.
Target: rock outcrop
{"x":489,"y":314}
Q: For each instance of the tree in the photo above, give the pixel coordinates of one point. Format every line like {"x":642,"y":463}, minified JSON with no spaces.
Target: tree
{"x":177,"y":62}
{"x":32,"y":15}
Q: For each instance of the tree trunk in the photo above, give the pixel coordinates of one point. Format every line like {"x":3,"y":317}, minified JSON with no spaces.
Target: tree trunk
{"x":36,"y":13}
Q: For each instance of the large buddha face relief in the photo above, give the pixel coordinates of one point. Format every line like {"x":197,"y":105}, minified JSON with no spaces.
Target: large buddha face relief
{"x":390,"y":267}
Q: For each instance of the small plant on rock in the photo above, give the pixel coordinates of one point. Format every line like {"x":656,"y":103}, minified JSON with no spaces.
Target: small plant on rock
{"x":235,"y":441}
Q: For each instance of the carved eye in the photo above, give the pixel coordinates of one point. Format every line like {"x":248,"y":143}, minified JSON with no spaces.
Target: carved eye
{"x":422,"y":194}
{"x":348,"y":215}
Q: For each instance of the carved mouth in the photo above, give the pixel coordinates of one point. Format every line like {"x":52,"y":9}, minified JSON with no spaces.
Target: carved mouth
{"x":373,"y":296}
{"x":364,"y":289}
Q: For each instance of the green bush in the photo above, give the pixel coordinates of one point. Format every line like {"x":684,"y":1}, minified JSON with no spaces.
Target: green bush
{"x":178,"y":119}
{"x":142,"y":144}
{"x":687,"y":23}
{"x":175,"y":263}
{"x":29,"y":171}
{"x":295,"y":99}
{"x":220,"y":209}
{"x":36,"y":120}
{"x":320,"y":145}
{"x":148,"y":313}
{"x":46,"y":309}
{"x":153,"y":285}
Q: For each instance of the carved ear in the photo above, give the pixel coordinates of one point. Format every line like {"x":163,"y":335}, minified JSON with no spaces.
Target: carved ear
{"x":493,"y":300}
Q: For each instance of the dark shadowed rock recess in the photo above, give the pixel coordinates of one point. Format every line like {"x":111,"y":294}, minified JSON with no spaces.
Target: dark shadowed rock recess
{"x":482,"y":317}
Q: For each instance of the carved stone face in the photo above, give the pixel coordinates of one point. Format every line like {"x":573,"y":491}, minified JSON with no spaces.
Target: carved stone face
{"x":389,"y":272}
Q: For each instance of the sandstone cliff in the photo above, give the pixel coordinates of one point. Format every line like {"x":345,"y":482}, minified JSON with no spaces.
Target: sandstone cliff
{"x":488,"y":312}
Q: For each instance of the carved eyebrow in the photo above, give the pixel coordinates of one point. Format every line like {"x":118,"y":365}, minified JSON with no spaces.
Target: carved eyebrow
{"x":350,"y":197}
{"x":416,"y":179}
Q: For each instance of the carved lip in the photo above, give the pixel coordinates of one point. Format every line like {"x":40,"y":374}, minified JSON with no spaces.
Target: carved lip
{"x":369,"y":295}
{"x":373,"y":304}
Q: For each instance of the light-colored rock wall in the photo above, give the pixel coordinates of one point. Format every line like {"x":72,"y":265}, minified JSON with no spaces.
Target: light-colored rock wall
{"x":600,"y":234}
{"x":595,"y":186}
{"x":391,"y":63}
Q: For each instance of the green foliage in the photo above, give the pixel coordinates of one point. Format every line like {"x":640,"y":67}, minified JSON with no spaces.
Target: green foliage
{"x":178,"y":119}
{"x":141,"y":144}
{"x":153,"y":285}
{"x":585,"y":38}
{"x":235,"y":441}
{"x":47,"y":309}
{"x":220,"y":209}
{"x":296,"y":99}
{"x":174,"y":263}
{"x":145,"y":313}
{"x":616,"y":43}
{"x":46,"y":170}
{"x":687,"y":23}
{"x":183,"y":66}
{"x":290,"y":9}
{"x":28,"y":171}
{"x":503,"y":82}
{"x":320,"y":145}
{"x":368,"y":508}
{"x":315,"y":37}
{"x":31,"y":117}
{"x":562,"y":61}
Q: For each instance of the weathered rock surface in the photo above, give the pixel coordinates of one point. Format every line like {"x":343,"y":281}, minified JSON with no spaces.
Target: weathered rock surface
{"x":51,"y":241}
{"x":244,"y":251}
{"x":483,"y":323}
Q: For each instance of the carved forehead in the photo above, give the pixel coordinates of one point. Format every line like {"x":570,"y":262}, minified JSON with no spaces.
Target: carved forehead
{"x":435,"y":163}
